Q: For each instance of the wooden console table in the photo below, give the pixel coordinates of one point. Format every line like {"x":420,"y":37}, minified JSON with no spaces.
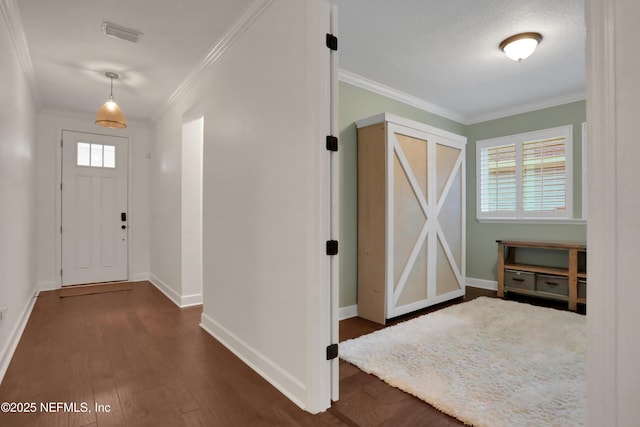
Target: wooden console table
{"x":571,"y":273}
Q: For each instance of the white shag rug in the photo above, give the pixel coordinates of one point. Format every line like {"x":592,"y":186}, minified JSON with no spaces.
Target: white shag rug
{"x":487,"y":362}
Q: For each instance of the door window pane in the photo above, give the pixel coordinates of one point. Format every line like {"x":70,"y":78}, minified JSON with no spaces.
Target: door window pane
{"x":109,"y":156}
{"x":83,"y":154}
{"x":96,"y":155}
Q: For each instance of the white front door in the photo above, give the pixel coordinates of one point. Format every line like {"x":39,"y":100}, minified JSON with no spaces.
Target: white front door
{"x":94,"y":208}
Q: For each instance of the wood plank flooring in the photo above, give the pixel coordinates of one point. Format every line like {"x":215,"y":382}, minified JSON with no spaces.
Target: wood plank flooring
{"x":154,"y":366}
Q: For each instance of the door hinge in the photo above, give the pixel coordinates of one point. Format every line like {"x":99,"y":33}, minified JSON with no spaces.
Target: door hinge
{"x":332,"y":247}
{"x":332,"y":143}
{"x":332,"y":42}
{"x":60,"y":272}
{"x":332,"y":351}
{"x":60,"y":186}
{"x":60,"y":229}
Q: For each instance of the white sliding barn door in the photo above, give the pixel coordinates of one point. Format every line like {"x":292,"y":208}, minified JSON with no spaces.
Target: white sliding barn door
{"x":94,"y":208}
{"x":425,"y":219}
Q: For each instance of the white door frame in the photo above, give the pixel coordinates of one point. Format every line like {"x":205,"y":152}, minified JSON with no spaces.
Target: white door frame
{"x":101,"y":266}
{"x":334,"y":228}
{"x":58,"y":193}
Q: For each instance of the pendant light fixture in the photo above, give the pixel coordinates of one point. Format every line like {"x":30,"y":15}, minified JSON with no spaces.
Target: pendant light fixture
{"x":110,"y":115}
{"x":521,"y":45}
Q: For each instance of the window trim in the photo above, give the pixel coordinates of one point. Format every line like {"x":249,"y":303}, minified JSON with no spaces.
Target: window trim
{"x":519,"y":139}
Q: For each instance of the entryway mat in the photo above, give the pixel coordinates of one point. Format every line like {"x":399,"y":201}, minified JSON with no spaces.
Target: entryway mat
{"x":94,"y":288}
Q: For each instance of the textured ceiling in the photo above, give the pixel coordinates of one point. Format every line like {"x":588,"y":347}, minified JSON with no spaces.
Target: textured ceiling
{"x":70,"y":54}
{"x":446,"y":52}
{"x":443,"y":52}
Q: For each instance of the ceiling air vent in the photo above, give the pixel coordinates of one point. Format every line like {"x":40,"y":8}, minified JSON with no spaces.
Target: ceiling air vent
{"x":120,"y":32}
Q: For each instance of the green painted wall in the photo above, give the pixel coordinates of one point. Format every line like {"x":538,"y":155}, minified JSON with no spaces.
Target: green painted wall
{"x":356,"y":104}
{"x":481,"y":237}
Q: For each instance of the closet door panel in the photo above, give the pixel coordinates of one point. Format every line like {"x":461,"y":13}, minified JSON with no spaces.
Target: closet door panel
{"x":415,"y":151}
{"x":410,"y":253}
{"x":415,"y":286}
{"x":446,"y":158}
{"x":408,"y":221}
{"x":446,"y":280}
{"x":450,"y":219}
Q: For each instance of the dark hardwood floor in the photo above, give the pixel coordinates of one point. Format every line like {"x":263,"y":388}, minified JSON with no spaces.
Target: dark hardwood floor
{"x":154,"y":366}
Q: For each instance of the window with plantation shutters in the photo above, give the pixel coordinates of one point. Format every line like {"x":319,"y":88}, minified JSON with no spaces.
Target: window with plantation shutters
{"x":498,"y":185}
{"x":525,"y":176}
{"x":544,"y":170}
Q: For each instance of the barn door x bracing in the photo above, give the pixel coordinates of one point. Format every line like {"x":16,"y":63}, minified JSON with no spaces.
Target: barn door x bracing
{"x":425,"y":182}
{"x":94,"y":208}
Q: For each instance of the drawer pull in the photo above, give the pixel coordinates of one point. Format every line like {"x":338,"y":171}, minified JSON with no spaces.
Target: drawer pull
{"x":517,"y":279}
{"x":551,"y":283}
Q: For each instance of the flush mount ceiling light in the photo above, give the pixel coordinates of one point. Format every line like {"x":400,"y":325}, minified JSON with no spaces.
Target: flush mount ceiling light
{"x":110,"y":115}
{"x":521,"y":45}
{"x":120,"y":32}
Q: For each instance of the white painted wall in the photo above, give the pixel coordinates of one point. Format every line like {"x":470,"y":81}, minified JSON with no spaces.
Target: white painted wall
{"x":613,"y":229}
{"x":17,"y":197}
{"x":192,"y":152}
{"x":166,"y":197}
{"x":266,"y":198}
{"x":49,"y":128}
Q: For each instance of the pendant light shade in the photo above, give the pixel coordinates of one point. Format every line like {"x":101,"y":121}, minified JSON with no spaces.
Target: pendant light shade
{"x":520,"y":46}
{"x":110,"y":115}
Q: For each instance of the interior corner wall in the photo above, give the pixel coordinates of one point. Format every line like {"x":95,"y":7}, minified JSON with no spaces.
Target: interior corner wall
{"x":355,"y":104}
{"x":50,"y":124}
{"x":482,"y":251}
{"x":17,"y":192}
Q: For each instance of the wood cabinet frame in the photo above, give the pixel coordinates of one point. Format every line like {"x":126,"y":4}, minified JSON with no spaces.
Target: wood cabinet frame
{"x":405,"y":268}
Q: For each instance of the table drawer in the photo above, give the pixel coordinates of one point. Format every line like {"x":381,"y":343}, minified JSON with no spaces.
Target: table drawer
{"x":552,"y":284}
{"x":520,"y":280}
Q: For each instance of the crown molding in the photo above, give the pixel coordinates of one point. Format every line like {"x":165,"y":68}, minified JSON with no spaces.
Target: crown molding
{"x":389,"y":92}
{"x":11,"y":14}
{"x":527,"y":108}
{"x":225,"y":42}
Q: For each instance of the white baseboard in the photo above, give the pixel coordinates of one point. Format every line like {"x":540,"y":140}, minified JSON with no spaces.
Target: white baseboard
{"x":278,"y":377}
{"x":140,"y":277}
{"x":16,"y":333}
{"x":165,"y":289}
{"x":191,"y":300}
{"x":47,"y":286}
{"x":491,"y":285}
{"x":347,"y":312}
{"x":180,"y":301}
